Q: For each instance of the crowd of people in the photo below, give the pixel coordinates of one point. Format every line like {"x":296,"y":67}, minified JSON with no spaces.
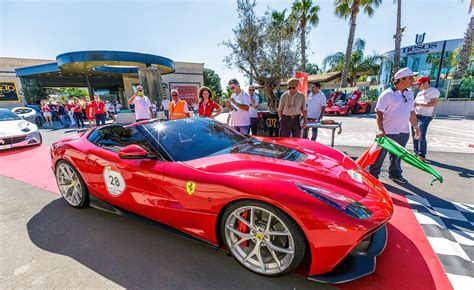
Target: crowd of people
{"x":72,"y":112}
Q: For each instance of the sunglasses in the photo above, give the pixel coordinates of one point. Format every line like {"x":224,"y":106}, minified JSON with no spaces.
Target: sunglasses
{"x":252,"y":90}
{"x":233,"y":87}
{"x":292,"y":88}
{"x":174,"y":95}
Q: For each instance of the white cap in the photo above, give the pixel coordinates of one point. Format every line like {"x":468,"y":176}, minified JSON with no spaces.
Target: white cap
{"x":404,"y":72}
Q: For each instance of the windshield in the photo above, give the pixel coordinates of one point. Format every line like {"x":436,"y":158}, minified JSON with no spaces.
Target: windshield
{"x":7,"y":115}
{"x":341,"y":100}
{"x":193,"y":138}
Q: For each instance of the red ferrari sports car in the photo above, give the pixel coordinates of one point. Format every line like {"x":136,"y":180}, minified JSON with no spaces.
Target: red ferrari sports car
{"x":277,"y":204}
{"x":340,"y":104}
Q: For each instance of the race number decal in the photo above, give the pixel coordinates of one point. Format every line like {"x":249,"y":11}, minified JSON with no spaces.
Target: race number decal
{"x":113,"y":180}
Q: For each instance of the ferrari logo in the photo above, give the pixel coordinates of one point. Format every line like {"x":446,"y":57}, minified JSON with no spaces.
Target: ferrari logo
{"x":190,"y":187}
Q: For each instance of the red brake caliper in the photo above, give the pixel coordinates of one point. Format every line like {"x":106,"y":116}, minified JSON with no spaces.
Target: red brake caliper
{"x":243,"y":228}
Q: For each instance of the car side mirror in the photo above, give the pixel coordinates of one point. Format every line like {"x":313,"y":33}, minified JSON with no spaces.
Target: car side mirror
{"x":135,"y":152}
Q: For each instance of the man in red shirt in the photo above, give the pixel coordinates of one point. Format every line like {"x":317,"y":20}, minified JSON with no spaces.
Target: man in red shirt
{"x":99,"y":110}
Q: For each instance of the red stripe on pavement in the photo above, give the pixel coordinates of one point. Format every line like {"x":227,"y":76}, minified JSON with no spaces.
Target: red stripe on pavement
{"x":31,"y":165}
{"x":408,"y":261}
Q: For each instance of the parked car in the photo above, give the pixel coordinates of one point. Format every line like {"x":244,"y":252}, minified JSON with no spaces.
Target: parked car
{"x":30,"y":115}
{"x":341,"y":104}
{"x":277,"y":204}
{"x":16,"y":132}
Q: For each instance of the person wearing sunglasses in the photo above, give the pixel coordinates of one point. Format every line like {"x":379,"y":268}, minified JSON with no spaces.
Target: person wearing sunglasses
{"x":394,"y":111}
{"x":178,"y":109}
{"x":425,"y":102}
{"x":142,"y":105}
{"x":292,"y":106}
{"x":254,"y":99}
{"x":240,"y":104}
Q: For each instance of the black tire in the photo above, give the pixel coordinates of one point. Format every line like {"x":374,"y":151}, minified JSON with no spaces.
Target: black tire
{"x":41,"y":140}
{"x":349,"y":111}
{"x":368,"y":109}
{"x":39,"y":121}
{"x":296,"y":233}
{"x":85,"y":199}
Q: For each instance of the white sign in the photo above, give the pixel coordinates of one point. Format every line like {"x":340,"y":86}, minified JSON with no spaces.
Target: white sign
{"x":114,"y":181}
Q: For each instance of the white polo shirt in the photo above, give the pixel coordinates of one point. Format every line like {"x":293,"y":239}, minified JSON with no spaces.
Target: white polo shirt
{"x":396,"y":112}
{"x":241,"y":117}
{"x":424,"y":97}
{"x":165,"y":103}
{"x":253,"y":111}
{"x":315,"y":103}
{"x":142,"y":107}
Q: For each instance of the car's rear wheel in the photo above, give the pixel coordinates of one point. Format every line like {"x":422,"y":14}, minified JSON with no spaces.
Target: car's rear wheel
{"x":349,"y":111}
{"x":367,"y":109}
{"x":71,"y":185}
{"x":263,"y":238}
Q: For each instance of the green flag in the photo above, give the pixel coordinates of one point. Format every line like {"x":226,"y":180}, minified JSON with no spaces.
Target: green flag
{"x":397,"y":150}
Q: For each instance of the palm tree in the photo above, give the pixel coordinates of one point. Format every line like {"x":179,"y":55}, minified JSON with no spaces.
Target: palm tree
{"x":398,"y":37}
{"x":358,"y":62}
{"x":350,"y":8}
{"x":306,"y":16}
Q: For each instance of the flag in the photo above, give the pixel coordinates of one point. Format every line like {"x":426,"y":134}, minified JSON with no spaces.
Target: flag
{"x":302,"y":82}
{"x":397,"y":150}
{"x":369,"y":156}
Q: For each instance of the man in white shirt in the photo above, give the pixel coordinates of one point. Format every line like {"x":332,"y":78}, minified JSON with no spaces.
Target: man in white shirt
{"x":165,"y":103}
{"x":142,"y":105}
{"x":394,"y":109}
{"x":425,"y":102}
{"x":240,"y":103}
{"x":253,"y":112}
{"x":315,"y":109}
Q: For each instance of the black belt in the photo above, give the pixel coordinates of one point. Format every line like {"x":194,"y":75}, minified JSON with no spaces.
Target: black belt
{"x":292,"y":117}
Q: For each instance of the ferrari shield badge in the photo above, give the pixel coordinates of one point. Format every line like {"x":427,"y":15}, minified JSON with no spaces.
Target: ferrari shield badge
{"x":190,"y":187}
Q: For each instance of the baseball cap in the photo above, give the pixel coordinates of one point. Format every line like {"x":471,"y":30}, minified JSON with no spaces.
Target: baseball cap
{"x":421,"y":80}
{"x":233,"y":81}
{"x":404,"y":72}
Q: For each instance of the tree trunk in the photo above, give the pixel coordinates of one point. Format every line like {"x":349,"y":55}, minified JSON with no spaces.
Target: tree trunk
{"x":303,"y":45}
{"x":398,"y":39}
{"x":465,"y":51}
{"x":272,"y":101}
{"x":350,"y":42}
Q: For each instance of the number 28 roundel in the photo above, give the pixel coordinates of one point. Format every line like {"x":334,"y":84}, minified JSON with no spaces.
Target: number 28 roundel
{"x":114,"y":181}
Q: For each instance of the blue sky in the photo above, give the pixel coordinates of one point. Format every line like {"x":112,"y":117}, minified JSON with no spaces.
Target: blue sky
{"x":186,"y":30}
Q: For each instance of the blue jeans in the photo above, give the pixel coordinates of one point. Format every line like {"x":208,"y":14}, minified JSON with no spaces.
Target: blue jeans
{"x":167,"y":114}
{"x":420,"y":145}
{"x":395,"y":169}
{"x":242,"y":129}
{"x":314,"y":130}
{"x":64,"y":121}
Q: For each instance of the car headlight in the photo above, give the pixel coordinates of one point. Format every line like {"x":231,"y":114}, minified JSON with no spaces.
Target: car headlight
{"x":338,"y":201}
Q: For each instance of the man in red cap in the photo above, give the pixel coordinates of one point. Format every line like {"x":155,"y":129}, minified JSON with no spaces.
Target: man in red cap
{"x":425,"y":102}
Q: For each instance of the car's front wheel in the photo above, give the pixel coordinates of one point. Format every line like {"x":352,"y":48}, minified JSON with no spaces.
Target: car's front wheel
{"x":39,"y":121}
{"x":263,"y":238}
{"x":71,"y":185}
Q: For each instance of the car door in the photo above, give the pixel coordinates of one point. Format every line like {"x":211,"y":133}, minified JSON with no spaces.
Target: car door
{"x":132,"y":184}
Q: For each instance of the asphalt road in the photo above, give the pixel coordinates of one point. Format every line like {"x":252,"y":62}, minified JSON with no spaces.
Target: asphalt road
{"x":47,"y":244}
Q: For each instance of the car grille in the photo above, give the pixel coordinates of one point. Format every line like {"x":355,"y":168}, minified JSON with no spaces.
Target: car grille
{"x":12,"y":140}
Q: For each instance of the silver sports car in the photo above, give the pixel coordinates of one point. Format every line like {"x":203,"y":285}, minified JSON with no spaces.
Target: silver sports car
{"x":16,"y":132}
{"x":30,"y":115}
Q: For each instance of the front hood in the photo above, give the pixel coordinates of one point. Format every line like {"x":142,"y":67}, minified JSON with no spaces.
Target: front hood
{"x":318,"y":165}
{"x":15,"y":127}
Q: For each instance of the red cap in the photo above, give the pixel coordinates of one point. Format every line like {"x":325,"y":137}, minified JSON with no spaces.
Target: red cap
{"x":421,"y":80}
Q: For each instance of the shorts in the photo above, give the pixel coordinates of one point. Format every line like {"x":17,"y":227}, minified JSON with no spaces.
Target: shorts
{"x":47,"y":114}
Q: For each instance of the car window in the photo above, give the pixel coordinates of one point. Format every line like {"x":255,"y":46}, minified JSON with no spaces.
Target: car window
{"x":18,"y":111}
{"x":7,"y":115}
{"x":114,"y":138}
{"x":26,"y":111}
{"x":193,"y":138}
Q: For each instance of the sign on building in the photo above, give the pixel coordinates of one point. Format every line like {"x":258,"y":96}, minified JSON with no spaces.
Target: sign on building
{"x":9,"y":92}
{"x":187,"y":92}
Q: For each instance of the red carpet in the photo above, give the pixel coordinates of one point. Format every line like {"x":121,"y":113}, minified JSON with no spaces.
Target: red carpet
{"x":408,"y":261}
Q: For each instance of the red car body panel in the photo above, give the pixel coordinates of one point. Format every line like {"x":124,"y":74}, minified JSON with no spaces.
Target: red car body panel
{"x":157,"y":190}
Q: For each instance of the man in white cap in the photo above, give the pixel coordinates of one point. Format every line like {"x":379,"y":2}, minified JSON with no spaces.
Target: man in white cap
{"x":142,"y":105}
{"x":395,"y":109}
